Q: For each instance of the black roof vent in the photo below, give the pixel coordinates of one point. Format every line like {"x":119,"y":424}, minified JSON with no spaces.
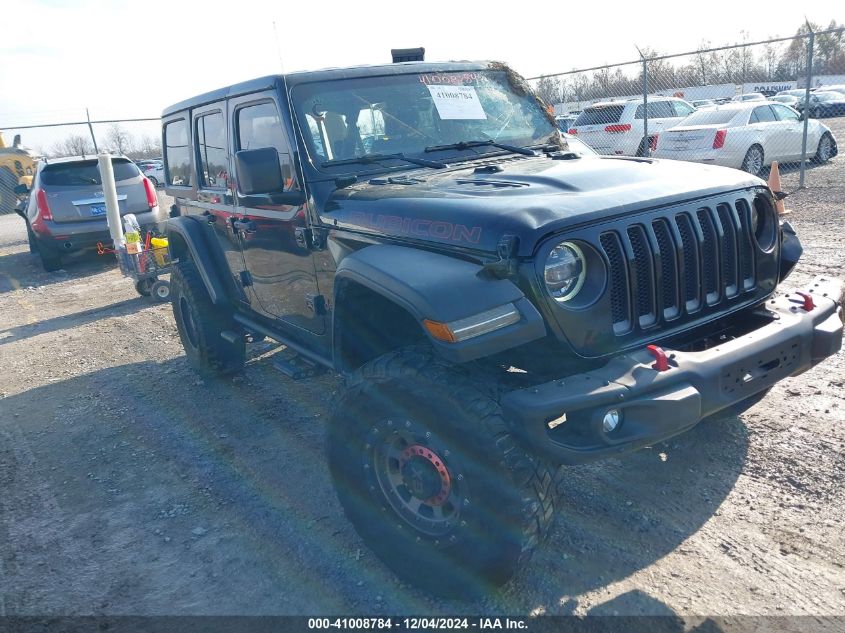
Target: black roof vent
{"x":408,"y":54}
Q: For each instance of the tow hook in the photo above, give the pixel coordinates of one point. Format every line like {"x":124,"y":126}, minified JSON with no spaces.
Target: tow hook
{"x":661,"y":362}
{"x":809,"y":304}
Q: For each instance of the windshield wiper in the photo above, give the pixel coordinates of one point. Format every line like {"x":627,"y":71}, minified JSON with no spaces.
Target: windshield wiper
{"x":375,"y":158}
{"x":468,"y":144}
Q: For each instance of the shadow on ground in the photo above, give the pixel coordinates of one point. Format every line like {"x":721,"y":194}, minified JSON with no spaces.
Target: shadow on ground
{"x":23,"y":269}
{"x":243,"y":459}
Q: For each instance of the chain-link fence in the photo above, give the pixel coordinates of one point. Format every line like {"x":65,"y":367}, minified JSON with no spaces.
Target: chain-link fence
{"x":742,"y":106}
{"x":138,"y":138}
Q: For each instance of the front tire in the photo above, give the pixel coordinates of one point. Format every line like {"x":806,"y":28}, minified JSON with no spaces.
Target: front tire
{"x":754,"y":160}
{"x":429,"y":474}
{"x":200,"y":324}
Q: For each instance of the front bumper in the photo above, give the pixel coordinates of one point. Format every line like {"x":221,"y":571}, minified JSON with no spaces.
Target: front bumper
{"x":562,"y":419}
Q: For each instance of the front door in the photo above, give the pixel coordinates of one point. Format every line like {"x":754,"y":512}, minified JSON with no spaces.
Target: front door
{"x":282,"y":281}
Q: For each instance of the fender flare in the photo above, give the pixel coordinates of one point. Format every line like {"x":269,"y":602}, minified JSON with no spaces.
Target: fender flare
{"x":441,"y":288}
{"x":190,"y":232}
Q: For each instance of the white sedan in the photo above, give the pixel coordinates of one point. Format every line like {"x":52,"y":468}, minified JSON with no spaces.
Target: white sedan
{"x":747,"y":135}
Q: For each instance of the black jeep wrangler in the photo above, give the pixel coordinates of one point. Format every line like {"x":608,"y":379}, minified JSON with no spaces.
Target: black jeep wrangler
{"x":499,"y":302}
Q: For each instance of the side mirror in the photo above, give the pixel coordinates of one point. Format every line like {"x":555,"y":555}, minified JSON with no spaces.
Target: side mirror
{"x":259,"y":171}
{"x":20,"y":190}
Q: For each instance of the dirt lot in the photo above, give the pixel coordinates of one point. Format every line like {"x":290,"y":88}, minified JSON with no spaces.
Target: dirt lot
{"x":130,"y":486}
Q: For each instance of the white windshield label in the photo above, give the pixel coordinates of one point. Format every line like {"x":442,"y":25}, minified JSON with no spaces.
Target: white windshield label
{"x":456,"y":102}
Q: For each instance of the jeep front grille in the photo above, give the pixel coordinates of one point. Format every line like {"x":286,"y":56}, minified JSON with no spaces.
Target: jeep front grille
{"x":676,"y":264}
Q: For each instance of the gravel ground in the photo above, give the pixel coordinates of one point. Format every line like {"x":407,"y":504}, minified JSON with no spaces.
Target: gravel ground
{"x":131,"y":486}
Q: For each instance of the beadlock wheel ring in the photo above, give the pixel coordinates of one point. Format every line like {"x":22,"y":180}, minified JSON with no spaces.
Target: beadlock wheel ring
{"x":408,"y":467}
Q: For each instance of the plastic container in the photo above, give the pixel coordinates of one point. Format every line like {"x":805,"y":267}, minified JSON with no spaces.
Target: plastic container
{"x":159,"y":247}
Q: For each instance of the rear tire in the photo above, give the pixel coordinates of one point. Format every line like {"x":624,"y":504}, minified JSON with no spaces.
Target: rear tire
{"x":30,"y":238}
{"x":824,"y":152}
{"x":200,"y":324}
{"x":754,"y":160}
{"x":429,"y":474}
{"x":143,"y":287}
{"x":50,"y":260}
{"x":160,"y":291}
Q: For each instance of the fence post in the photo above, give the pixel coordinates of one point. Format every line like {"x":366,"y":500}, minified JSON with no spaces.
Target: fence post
{"x":646,"y":144}
{"x":806,"y":107}
{"x":91,"y":129}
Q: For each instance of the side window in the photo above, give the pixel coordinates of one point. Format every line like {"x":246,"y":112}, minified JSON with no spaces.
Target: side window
{"x":259,"y":126}
{"x":661,"y":110}
{"x":177,"y":153}
{"x":211,"y":149}
{"x":763,"y":114}
{"x":683,"y":109}
{"x":785,"y":114}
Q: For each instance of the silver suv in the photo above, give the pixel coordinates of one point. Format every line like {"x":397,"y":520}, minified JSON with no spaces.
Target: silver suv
{"x":65,"y":211}
{"x":616,"y":128}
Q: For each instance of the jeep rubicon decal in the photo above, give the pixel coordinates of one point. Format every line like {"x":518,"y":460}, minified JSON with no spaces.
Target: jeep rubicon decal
{"x":418,"y":227}
{"x":606,"y":304}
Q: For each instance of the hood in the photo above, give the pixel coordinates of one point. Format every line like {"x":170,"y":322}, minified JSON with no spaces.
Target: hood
{"x":473,"y":206}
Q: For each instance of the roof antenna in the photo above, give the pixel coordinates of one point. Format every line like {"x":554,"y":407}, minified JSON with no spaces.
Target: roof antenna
{"x":278,"y":48}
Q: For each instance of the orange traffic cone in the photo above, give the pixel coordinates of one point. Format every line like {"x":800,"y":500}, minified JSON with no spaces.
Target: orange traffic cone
{"x":775,"y":186}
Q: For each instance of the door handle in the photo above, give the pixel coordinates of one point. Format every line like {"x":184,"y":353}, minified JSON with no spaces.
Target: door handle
{"x":247,"y":226}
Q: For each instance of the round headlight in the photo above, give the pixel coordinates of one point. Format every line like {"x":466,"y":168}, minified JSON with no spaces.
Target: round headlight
{"x":566,"y":269}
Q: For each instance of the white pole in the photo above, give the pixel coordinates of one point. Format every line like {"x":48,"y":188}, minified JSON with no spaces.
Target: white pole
{"x":110,"y":194}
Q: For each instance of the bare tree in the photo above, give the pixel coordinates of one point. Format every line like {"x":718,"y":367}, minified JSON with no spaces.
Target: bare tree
{"x":72,"y":145}
{"x":119,"y":139}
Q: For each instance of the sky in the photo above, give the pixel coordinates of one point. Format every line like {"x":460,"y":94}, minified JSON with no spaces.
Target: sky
{"x":130,"y":59}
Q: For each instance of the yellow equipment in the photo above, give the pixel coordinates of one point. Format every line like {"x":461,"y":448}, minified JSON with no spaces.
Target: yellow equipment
{"x":17,"y":167}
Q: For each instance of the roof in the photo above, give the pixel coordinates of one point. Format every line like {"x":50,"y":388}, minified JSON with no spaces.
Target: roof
{"x":327,"y":74}
{"x":651,"y":99}
{"x":76,"y":159}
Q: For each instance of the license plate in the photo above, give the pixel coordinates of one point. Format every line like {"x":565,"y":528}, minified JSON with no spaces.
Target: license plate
{"x":98,"y":209}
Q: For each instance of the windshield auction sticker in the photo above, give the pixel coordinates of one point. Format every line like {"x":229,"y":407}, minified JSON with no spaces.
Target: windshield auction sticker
{"x":456,"y":102}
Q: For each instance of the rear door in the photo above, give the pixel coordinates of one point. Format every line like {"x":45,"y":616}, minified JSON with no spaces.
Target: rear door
{"x":591,"y":126}
{"x":793,"y":129}
{"x":773,"y":133}
{"x":74,"y":190}
{"x":214,"y":198}
{"x":272,"y":232}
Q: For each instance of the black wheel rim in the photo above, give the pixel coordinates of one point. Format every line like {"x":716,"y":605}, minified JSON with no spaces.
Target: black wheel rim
{"x":411,"y":470}
{"x":188,"y":323}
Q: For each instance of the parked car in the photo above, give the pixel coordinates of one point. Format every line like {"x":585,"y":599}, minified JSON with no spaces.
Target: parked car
{"x":154,"y":170}
{"x":617,"y":128}
{"x":795,"y":92}
{"x":788,"y":100}
{"x":750,"y":96}
{"x":823,"y":104}
{"x":564,"y":122}
{"x":703,"y":103}
{"x":578,"y":146}
{"x":498,"y":305}
{"x":833,"y":88}
{"x":748,"y":136}
{"x":65,"y":210}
